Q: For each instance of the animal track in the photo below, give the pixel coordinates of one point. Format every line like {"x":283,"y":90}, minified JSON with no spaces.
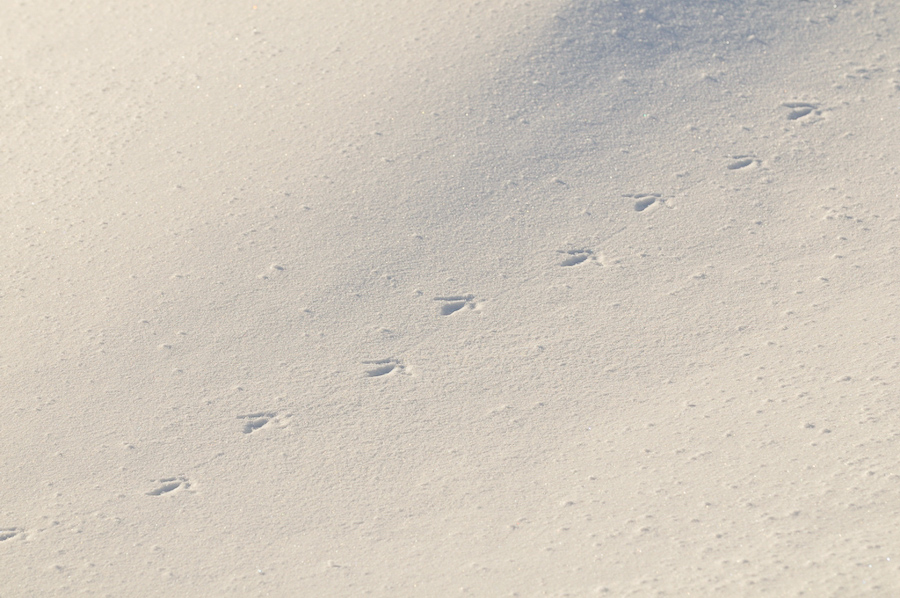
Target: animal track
{"x":644,"y":200}
{"x":9,"y":532}
{"x":170,"y":484}
{"x":383,"y":367}
{"x":800,"y":109}
{"x":455,"y":303}
{"x":575,"y":256}
{"x":255,"y":421}
{"x":742,"y":162}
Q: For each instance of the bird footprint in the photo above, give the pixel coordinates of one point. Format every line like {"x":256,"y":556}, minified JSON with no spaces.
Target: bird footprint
{"x":575,"y":256}
{"x":454,"y":303}
{"x":9,"y":532}
{"x":255,"y":421}
{"x":169,"y":485}
{"x":645,"y":200}
{"x":383,"y":367}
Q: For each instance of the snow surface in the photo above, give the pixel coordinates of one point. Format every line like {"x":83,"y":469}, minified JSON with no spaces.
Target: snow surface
{"x":397,"y":298}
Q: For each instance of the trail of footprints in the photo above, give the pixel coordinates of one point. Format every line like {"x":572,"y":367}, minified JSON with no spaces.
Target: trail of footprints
{"x":252,"y":423}
{"x":798,"y":111}
{"x":803,"y":112}
{"x":447,"y":306}
{"x":453,"y":304}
